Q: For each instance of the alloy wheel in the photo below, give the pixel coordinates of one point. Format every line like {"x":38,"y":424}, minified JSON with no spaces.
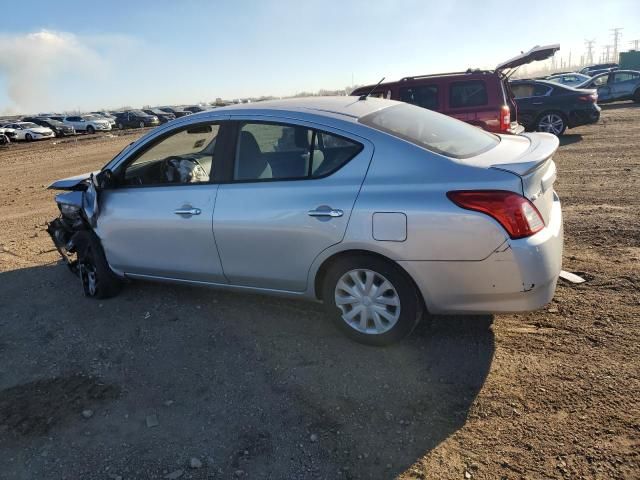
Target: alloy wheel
{"x":551,"y":123}
{"x":368,"y":301}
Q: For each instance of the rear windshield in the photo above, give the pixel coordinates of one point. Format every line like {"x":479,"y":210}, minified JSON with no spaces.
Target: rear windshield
{"x":433,"y":131}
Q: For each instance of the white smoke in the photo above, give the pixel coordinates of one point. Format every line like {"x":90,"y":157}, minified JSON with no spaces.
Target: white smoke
{"x":30,"y":62}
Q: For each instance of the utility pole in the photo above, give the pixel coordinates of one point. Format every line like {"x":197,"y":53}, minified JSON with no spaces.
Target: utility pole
{"x":616,"y":39}
{"x":635,"y":44}
{"x":606,"y":54}
{"x":589,"y":57}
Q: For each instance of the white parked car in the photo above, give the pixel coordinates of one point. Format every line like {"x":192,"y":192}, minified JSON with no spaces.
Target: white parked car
{"x":6,"y":135}
{"x":29,"y":131}
{"x":87,"y":123}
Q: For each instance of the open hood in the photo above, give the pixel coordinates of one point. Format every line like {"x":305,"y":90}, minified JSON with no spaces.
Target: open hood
{"x":535,"y":54}
{"x":72,"y":183}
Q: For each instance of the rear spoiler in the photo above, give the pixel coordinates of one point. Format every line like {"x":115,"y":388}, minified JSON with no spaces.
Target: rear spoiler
{"x":541,"y":149}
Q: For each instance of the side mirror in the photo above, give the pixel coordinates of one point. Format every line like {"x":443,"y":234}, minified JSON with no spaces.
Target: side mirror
{"x":105,"y":179}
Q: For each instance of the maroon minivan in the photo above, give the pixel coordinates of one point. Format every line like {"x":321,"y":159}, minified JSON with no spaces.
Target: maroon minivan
{"x":479,"y":97}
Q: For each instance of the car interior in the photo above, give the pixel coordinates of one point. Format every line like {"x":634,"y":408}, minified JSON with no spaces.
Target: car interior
{"x":294,"y":152}
{"x":263,"y":152}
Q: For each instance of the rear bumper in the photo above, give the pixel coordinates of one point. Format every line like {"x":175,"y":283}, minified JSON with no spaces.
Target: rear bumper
{"x":518,"y":276}
{"x":584,"y":116}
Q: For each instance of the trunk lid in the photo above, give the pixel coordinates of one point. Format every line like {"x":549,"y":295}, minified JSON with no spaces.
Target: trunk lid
{"x":535,"y":54}
{"x":530,"y":157}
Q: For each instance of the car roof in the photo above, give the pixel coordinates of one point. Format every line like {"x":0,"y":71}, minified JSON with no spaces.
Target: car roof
{"x":345,"y":107}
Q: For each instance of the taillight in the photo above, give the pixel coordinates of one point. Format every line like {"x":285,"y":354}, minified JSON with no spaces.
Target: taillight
{"x":505,"y":118}
{"x":519,"y":217}
{"x":592,"y":98}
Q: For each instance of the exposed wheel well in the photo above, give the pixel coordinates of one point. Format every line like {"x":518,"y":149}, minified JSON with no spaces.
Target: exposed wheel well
{"x":322,"y":271}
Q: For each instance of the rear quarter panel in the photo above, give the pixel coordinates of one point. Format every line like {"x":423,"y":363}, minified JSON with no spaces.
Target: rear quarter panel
{"x":407,"y":179}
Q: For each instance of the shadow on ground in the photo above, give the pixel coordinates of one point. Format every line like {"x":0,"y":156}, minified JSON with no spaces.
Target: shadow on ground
{"x":619,"y":105}
{"x":250,"y":383}
{"x":570,"y":138}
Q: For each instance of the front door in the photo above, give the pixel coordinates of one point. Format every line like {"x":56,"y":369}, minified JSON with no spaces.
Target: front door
{"x":289,"y":198}
{"x":156,"y":220}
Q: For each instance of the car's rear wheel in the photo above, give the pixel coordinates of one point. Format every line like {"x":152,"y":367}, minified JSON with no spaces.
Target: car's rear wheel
{"x":552,"y":122}
{"x":636,"y":96}
{"x":371,"y":300}
{"x":91,"y":130}
{"x":28,"y":137}
{"x":98,"y":281}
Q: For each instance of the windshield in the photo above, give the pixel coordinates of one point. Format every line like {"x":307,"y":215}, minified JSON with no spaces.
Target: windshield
{"x":28,"y":125}
{"x":433,"y":131}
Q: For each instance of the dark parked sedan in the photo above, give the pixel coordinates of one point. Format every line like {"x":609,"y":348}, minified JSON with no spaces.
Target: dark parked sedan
{"x":549,"y":107}
{"x":195,"y":109}
{"x":164,"y":117}
{"x":135,"y":119}
{"x":178,"y":112}
{"x":59,"y":128}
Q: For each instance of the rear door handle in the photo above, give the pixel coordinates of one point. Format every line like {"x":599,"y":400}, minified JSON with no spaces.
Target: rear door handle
{"x":187,"y":211}
{"x":325,"y":212}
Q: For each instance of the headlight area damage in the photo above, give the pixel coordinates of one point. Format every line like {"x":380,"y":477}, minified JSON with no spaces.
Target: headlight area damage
{"x":73,"y":236}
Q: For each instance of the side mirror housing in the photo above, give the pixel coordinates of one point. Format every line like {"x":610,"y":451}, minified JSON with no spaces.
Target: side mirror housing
{"x":105,"y":179}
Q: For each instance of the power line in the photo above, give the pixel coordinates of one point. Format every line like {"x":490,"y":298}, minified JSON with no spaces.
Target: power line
{"x":589,"y":57}
{"x":616,"y":38}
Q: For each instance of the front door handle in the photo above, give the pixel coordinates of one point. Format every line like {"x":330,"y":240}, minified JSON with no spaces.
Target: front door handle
{"x":325,"y":212}
{"x":187,"y":211}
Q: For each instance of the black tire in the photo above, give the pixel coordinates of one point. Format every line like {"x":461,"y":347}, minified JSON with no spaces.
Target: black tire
{"x":93,"y":263}
{"x":120,"y":126}
{"x":411,"y":305}
{"x":544,"y":115}
{"x":91,"y":130}
{"x":28,"y":137}
{"x":636,"y":96}
{"x":141,"y":124}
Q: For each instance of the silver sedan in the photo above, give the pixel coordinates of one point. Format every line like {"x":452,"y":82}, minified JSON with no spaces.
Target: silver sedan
{"x":381,"y":210}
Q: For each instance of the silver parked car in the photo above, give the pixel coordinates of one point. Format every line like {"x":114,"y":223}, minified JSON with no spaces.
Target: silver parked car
{"x":380,"y":209}
{"x":615,"y":85}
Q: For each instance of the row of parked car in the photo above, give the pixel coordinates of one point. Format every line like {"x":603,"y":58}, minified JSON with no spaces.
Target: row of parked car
{"x":491,"y":100}
{"x":54,"y":125}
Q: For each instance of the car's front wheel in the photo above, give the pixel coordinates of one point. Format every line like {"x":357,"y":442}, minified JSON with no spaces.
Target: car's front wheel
{"x":551,"y":122}
{"x":371,"y":300}
{"x":636,"y":96}
{"x":141,"y":124}
{"x":91,"y":130}
{"x":98,"y":280}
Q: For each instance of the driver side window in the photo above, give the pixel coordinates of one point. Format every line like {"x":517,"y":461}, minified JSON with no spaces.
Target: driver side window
{"x":183,"y":157}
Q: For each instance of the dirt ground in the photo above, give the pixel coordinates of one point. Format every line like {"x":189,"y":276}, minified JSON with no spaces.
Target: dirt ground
{"x":256,"y":387}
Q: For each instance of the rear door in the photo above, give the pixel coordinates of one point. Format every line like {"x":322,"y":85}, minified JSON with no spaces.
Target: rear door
{"x":289,"y":195}
{"x":423,"y":94}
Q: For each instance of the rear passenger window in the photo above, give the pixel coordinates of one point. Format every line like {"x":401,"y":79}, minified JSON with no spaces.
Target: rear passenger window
{"x":541,"y":90}
{"x":267,"y":151}
{"x":472,"y":93}
{"x":425,"y":96}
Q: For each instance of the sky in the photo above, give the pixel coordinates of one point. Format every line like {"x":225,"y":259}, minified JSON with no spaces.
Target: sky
{"x":70,"y":55}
